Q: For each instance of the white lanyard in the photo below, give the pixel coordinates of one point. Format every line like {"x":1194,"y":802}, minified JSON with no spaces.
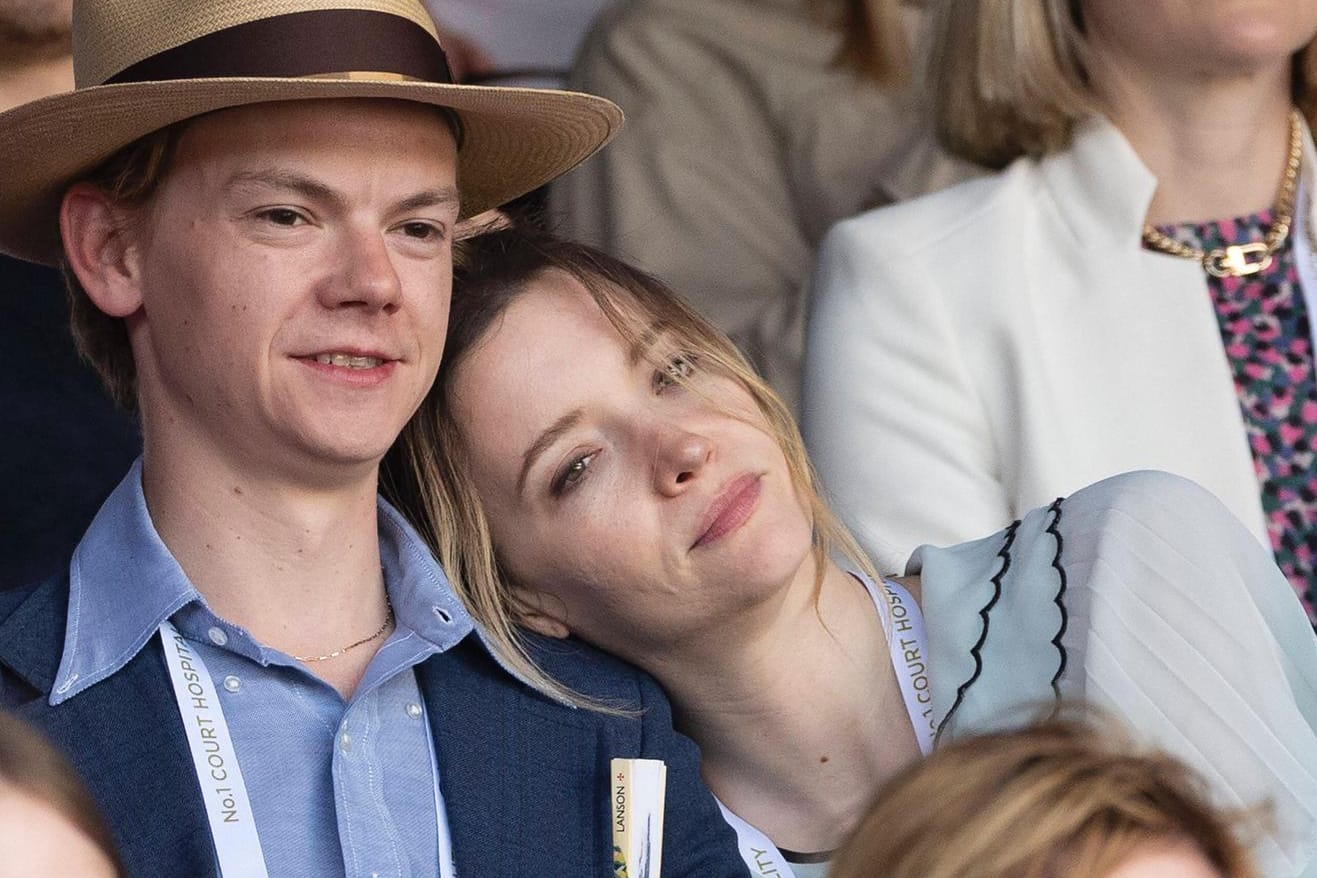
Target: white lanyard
{"x":760,"y":854}
{"x":908,"y":647}
{"x":232,"y":825}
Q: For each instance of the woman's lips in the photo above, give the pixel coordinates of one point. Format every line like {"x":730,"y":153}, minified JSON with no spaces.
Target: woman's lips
{"x":734,"y":504}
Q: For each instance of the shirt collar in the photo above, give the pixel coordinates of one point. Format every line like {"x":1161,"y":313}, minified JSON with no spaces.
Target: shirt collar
{"x":422,"y":598}
{"x":124,"y":582}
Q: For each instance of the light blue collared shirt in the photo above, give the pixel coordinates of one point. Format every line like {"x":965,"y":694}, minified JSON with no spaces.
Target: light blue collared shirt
{"x":337,"y":787}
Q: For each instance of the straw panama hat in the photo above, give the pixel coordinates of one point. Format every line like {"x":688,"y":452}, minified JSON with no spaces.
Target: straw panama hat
{"x":140,"y":65}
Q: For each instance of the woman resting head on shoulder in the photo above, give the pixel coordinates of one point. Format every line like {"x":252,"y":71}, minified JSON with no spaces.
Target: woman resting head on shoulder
{"x":595,"y":460}
{"x":1063,"y":798}
{"x":48,"y":823}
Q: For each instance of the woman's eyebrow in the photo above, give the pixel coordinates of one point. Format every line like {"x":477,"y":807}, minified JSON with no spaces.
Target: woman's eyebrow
{"x":541,"y":444}
{"x":646,"y":340}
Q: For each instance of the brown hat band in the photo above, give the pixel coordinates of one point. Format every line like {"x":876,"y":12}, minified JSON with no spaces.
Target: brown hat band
{"x":301,"y":44}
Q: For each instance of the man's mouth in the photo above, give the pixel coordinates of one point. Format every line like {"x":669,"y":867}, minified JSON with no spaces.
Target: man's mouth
{"x":349,"y":361}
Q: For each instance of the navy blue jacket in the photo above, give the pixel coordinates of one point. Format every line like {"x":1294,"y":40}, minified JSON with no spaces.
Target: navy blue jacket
{"x":64,"y":445}
{"x":524,"y":779}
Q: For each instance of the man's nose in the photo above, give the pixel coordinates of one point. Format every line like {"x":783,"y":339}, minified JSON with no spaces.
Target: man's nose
{"x":680,"y":459}
{"x":366,"y":276}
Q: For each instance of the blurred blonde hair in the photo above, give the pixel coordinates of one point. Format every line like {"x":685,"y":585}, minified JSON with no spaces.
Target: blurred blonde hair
{"x":426,"y":475}
{"x":31,"y":766}
{"x":873,"y":40}
{"x":1067,"y":797}
{"x":1008,"y":77}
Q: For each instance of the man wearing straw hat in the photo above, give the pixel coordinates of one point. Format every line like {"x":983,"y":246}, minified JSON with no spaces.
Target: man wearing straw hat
{"x":254,"y":663}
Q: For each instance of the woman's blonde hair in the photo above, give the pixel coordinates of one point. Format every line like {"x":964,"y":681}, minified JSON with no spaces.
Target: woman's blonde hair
{"x":426,"y":473}
{"x":1008,"y":79}
{"x":1069,"y":796}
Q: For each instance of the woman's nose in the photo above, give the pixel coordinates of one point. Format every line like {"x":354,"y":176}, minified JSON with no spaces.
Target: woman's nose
{"x":681,"y":458}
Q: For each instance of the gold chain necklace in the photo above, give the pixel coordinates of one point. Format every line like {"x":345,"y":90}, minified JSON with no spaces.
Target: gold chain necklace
{"x":388,"y":620}
{"x":1239,"y":260}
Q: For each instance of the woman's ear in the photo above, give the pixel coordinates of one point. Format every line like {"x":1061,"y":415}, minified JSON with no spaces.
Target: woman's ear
{"x":99,"y":249}
{"x":541,"y":612}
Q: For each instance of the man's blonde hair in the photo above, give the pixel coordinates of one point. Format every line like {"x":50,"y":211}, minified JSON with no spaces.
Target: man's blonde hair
{"x":131,"y":177}
{"x":1008,"y":79}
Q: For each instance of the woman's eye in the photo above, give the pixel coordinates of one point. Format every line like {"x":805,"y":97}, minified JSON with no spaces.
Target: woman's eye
{"x":571,"y":475}
{"x":678,"y":368}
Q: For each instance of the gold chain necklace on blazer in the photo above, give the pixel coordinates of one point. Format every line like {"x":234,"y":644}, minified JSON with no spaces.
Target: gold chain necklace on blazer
{"x":1239,"y":260}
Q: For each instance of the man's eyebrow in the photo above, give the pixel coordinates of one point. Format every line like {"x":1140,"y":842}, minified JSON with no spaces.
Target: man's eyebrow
{"x":547,"y":438}
{"x":441,"y":196}
{"x":301,"y":184}
{"x":313,"y":189}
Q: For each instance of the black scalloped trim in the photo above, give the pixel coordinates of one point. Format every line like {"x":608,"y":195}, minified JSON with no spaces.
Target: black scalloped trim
{"x":1004,"y":553}
{"x":1059,"y":600}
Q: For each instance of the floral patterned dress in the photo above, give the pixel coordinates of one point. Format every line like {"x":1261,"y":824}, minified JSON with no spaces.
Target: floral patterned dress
{"x":1265,"y":330}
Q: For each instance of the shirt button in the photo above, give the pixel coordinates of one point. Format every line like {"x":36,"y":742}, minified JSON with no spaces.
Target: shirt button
{"x":217,"y":635}
{"x":344,"y":741}
{"x":232,"y":683}
{"x":414,"y":710}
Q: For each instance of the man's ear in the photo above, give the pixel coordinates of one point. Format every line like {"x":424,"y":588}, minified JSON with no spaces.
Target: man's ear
{"x":541,"y":612}
{"x":100,"y":250}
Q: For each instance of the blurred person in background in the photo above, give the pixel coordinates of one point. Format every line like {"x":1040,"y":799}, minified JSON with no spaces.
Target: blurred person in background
{"x":35,"y":50}
{"x":1132,"y":291}
{"x":48,"y":824}
{"x":752,"y":126}
{"x":1062,"y":799}
{"x":516,"y":42}
{"x":65,"y":444}
{"x":525,"y":43}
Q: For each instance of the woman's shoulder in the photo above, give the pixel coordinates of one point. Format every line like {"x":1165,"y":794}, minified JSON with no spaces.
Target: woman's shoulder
{"x":1148,"y":505}
{"x":1143,"y":595}
{"x":1012,"y":617}
{"x":960,"y":214}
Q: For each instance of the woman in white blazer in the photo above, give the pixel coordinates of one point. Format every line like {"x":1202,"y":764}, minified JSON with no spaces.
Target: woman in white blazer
{"x":1131,"y":291}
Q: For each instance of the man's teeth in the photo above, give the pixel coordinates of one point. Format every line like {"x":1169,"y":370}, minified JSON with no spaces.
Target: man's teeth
{"x":348,"y":361}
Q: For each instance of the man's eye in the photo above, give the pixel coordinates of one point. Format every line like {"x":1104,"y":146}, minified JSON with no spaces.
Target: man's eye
{"x":571,"y":474}
{"x":679,"y":367}
{"x":282,"y":216}
{"x":422,"y":231}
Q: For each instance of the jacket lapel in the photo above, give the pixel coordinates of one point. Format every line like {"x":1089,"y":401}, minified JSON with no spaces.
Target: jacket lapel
{"x":517,"y":772}
{"x":123,"y":736}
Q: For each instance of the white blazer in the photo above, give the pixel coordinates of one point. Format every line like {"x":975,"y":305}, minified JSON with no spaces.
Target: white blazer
{"x":980,"y":351}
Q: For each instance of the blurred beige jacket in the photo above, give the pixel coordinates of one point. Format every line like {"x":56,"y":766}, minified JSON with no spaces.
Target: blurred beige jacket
{"x":743,"y":144}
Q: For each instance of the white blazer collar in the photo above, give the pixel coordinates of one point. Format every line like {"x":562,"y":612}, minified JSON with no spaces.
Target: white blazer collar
{"x":1101,"y":186}
{"x":1103,"y":190}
